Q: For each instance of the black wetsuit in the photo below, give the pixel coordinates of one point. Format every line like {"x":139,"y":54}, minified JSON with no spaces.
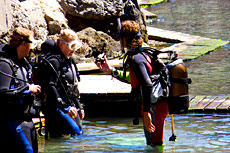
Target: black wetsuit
{"x":19,"y":132}
{"x":61,"y":87}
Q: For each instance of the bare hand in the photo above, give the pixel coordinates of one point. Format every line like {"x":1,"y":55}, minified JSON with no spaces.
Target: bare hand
{"x":72,"y":112}
{"x":147,"y":121}
{"x":82,"y":114}
{"x":105,"y":67}
{"x":34,"y":88}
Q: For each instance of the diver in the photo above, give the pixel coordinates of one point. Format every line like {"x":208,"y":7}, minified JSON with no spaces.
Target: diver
{"x":140,"y":69}
{"x":16,"y":92}
{"x":58,"y":77}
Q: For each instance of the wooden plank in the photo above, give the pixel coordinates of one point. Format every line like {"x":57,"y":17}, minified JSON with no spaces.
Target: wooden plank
{"x":202,"y":104}
{"x":216,"y":102}
{"x":191,"y":97}
{"x":225,"y":104}
{"x":195,"y":101}
{"x":148,"y":14}
{"x":92,"y":66}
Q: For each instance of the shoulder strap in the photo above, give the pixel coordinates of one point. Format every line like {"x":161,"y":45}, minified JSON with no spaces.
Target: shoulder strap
{"x":129,"y":54}
{"x":58,"y":57}
{"x":75,"y":66}
{"x":14,"y":68}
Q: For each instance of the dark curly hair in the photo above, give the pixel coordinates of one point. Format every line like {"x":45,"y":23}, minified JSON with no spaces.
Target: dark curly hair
{"x":131,"y":30}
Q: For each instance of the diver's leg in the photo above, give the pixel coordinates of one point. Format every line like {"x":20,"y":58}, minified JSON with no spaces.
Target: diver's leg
{"x":70,"y":123}
{"x":161,"y":112}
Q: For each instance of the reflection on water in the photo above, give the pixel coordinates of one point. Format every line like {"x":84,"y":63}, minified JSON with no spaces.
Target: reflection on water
{"x":208,"y":18}
{"x":195,"y":133}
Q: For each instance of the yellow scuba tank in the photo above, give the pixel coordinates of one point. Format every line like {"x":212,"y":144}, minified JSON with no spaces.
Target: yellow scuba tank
{"x":178,"y":93}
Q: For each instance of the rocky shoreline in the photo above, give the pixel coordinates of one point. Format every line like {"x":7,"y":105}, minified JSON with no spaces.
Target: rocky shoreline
{"x":94,"y":21}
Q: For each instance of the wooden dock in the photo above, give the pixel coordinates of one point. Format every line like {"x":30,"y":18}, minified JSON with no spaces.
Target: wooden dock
{"x":187,"y":46}
{"x":209,"y":103}
{"x":107,"y":94}
{"x":104,"y":96}
{"x":148,"y":15}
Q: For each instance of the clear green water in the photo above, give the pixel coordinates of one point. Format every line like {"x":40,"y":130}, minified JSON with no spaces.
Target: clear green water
{"x":195,"y":133}
{"x":207,"y":18}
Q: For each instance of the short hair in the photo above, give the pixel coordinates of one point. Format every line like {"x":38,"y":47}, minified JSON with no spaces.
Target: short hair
{"x":130,"y":29}
{"x":67,"y":35}
{"x":19,"y":35}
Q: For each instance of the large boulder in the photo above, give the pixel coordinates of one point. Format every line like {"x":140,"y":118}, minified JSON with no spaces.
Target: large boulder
{"x":47,"y":17}
{"x":54,"y":16}
{"x":29,"y":14}
{"x":101,"y":14}
{"x":5,"y":17}
{"x":95,"y":43}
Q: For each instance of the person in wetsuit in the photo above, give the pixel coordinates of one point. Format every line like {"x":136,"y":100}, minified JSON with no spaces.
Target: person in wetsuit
{"x":18,"y":133}
{"x":58,"y":78}
{"x":140,"y":69}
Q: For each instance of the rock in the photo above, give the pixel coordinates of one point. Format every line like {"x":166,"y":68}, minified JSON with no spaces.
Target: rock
{"x":95,"y":43}
{"x":47,"y":17}
{"x":5,"y":17}
{"x":92,"y":9}
{"x":101,"y":14}
{"x":28,"y":14}
{"x":54,"y":15}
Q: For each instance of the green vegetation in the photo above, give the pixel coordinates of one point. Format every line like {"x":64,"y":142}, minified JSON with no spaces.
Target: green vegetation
{"x":151,"y":2}
{"x":201,"y":47}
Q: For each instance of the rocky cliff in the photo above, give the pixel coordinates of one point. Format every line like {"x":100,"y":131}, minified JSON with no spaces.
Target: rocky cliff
{"x":95,"y":21}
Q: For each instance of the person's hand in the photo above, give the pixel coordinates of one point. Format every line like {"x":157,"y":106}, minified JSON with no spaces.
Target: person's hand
{"x":105,"y":67}
{"x":82,"y":114}
{"x":34,"y":88}
{"x":147,"y":121}
{"x":72,"y":112}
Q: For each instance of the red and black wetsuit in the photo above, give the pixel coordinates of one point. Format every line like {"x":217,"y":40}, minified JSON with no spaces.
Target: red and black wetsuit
{"x":140,"y":69}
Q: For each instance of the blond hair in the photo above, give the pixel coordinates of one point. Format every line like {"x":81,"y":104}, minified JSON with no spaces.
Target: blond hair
{"x":67,"y":35}
{"x":19,"y":35}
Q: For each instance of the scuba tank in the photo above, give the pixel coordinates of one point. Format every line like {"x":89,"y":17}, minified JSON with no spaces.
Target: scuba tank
{"x":178,"y":100}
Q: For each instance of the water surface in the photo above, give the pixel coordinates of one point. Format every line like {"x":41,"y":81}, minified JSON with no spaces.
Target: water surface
{"x":210,"y":75}
{"x":207,"y":18}
{"x":195,"y":133}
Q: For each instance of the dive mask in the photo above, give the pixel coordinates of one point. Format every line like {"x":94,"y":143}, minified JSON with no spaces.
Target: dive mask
{"x":34,"y":44}
{"x":74,"y":45}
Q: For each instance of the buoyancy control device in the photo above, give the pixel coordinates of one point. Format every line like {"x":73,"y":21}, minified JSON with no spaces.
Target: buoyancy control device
{"x":178,"y":99}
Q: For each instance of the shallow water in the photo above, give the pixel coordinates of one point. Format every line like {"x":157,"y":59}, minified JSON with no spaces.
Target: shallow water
{"x":210,"y":75}
{"x":207,"y":18}
{"x":195,"y":133}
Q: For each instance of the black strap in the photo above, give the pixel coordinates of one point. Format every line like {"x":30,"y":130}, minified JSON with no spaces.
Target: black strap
{"x":181,"y":80}
{"x":14,"y":68}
